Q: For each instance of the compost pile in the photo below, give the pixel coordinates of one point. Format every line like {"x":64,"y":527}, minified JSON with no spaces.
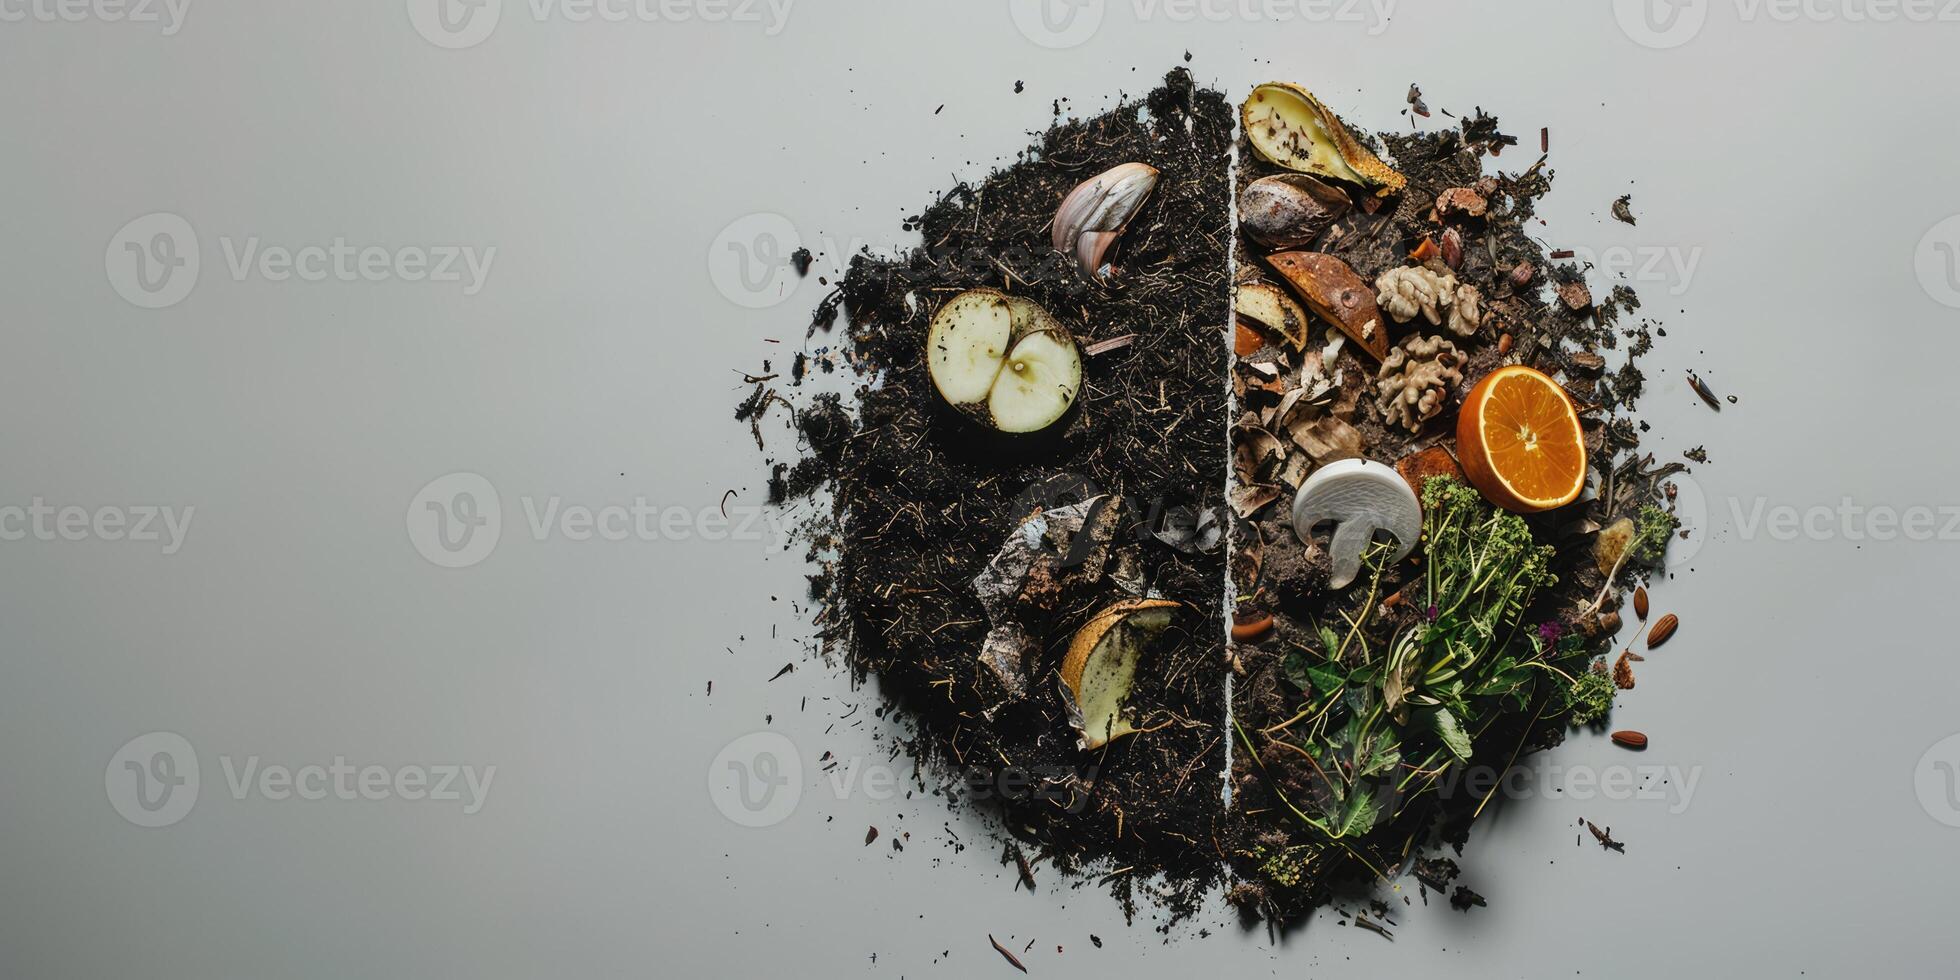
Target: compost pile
{"x":1086,"y":407}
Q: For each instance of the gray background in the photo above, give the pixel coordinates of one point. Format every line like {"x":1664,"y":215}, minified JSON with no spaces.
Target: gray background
{"x":1800,"y":163}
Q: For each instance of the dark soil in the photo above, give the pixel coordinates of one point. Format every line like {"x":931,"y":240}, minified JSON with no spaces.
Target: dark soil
{"x":925,"y":497}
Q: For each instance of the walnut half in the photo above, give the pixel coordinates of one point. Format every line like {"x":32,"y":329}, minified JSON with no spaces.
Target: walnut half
{"x":1431,"y":290}
{"x":1416,"y":378}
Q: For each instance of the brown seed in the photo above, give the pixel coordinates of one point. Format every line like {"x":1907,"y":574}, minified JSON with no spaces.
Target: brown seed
{"x":1521,"y":274}
{"x":1453,"y":248}
{"x":1631,"y":740}
{"x":1664,"y":628}
{"x":1504,"y":345}
{"x":1640,"y":602}
{"x":1249,"y":627}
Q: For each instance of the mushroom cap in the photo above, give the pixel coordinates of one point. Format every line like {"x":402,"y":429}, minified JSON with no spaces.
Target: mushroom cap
{"x":1361,"y":497}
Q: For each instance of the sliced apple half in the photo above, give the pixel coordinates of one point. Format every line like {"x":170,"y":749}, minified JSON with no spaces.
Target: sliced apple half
{"x":1289,"y":127}
{"x":1003,"y":360}
{"x":1101,"y":666}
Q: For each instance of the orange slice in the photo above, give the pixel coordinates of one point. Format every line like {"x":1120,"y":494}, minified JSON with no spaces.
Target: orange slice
{"x":1519,"y":441}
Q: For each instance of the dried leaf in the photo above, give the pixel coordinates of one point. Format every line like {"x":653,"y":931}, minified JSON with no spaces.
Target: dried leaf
{"x":1247,"y":498}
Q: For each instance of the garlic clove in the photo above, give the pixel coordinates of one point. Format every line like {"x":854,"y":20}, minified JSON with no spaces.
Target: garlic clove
{"x":1360,"y":497}
{"x":1092,"y":247}
{"x":1101,"y":206}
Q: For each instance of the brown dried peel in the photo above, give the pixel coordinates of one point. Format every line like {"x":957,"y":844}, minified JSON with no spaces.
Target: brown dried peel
{"x":1334,"y":292}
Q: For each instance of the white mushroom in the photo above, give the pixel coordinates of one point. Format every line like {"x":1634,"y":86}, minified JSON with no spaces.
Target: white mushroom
{"x":1360,"y":497}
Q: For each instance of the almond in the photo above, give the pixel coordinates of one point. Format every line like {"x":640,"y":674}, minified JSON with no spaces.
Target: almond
{"x":1664,"y":628}
{"x":1640,"y":602}
{"x":1631,"y":740}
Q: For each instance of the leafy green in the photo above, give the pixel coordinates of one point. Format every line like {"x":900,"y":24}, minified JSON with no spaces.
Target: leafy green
{"x":1652,"y":530}
{"x":1451,"y":732}
{"x":1590,"y":697}
{"x":1388,"y":713}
